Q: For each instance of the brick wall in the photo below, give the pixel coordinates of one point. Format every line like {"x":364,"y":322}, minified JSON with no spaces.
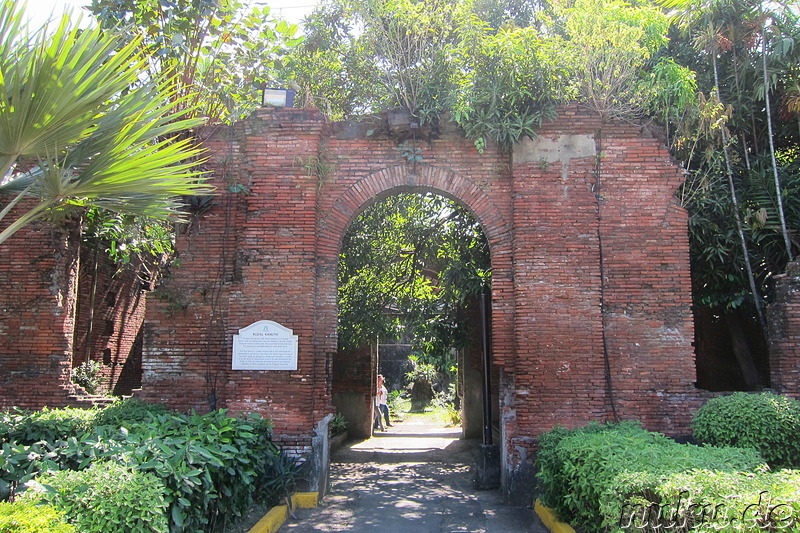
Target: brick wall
{"x":783,"y":317}
{"x":272,"y":254}
{"x":119,"y":310}
{"x":38,"y":277}
{"x":585,"y":202}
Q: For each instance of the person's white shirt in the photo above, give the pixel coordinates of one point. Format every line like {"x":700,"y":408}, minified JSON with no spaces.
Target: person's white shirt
{"x":383,"y":396}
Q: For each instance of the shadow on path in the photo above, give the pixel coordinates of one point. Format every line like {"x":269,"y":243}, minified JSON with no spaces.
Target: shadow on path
{"x":415,"y":477}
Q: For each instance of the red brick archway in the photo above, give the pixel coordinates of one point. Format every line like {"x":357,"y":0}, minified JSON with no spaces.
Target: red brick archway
{"x":380,"y":185}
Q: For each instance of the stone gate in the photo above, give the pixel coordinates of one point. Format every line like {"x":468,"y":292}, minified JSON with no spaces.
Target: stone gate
{"x":590,"y":305}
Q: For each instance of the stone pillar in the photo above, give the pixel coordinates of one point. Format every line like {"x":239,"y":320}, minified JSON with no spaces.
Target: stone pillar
{"x":783,"y":318}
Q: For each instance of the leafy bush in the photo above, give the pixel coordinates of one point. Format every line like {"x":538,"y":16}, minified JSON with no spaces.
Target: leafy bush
{"x":107,"y":498}
{"x":713,"y":501}
{"x":27,"y":517}
{"x":590,"y":475}
{"x":765,"y":421}
{"x":50,"y":425}
{"x":126,"y":412}
{"x":20,"y":463}
{"x":213,"y":466}
{"x":89,"y":376}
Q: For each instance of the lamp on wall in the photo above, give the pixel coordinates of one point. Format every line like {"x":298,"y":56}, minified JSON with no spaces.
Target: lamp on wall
{"x":277,"y":98}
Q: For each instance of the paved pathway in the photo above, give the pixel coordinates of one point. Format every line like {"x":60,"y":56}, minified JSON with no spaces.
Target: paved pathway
{"x":412,"y":478}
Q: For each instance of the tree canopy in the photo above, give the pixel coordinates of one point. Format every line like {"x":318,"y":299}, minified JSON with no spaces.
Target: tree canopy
{"x":718,"y":79}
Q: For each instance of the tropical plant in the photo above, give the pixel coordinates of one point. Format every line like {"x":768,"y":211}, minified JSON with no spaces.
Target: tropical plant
{"x":338,"y":424}
{"x":79,"y":128}
{"x":740,"y":150}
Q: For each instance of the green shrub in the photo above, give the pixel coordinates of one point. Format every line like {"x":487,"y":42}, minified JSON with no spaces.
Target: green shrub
{"x":590,"y":475}
{"x":27,"y":517}
{"x":107,"y":498}
{"x":765,"y":421}
{"x":50,"y":425}
{"x":713,"y":501}
{"x":89,"y":376}
{"x":551,"y":458}
{"x":212,"y":465}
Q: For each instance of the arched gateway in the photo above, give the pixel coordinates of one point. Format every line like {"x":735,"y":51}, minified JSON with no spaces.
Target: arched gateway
{"x":590,"y":272}
{"x":548,"y":210}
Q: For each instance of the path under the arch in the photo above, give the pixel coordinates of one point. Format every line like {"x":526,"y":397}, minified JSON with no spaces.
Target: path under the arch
{"x":416,"y":476}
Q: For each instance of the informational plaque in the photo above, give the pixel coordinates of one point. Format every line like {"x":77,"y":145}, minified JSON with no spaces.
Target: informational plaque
{"x":265,"y":345}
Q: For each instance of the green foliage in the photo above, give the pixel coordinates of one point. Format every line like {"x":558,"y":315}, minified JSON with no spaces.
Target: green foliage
{"x":124,"y":237}
{"x":726,"y":44}
{"x":89,"y":376}
{"x":19,"y":464}
{"x":225,"y":53}
{"x":714,"y":500}
{"x":424,"y":372}
{"x":590,"y":474}
{"x":128,"y":412}
{"x":767,"y":422}
{"x":107,"y":498}
{"x":27,"y":517}
{"x":338,"y":424}
{"x":366,"y":55}
{"x":50,"y":425}
{"x":499,"y":80}
{"x":213,"y":467}
{"x":610,"y":43}
{"x":398,"y":404}
{"x":508,"y":83}
{"x":279,"y":478}
{"x":717,"y":263}
{"x":411,"y":264}
{"x":73,"y":98}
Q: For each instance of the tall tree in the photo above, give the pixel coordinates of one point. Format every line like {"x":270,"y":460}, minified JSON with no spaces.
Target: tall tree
{"x":218,"y":53}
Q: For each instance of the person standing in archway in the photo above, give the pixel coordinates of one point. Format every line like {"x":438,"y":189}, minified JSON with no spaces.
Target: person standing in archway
{"x":382,"y":399}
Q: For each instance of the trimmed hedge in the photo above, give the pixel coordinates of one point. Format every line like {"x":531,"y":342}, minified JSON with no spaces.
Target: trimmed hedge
{"x":107,"y":498}
{"x":590,"y":475}
{"x":27,"y":517}
{"x":714,"y":501}
{"x":765,"y":421}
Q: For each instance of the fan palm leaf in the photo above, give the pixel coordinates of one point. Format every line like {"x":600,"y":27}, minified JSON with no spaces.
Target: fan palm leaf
{"x":73,"y":102}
